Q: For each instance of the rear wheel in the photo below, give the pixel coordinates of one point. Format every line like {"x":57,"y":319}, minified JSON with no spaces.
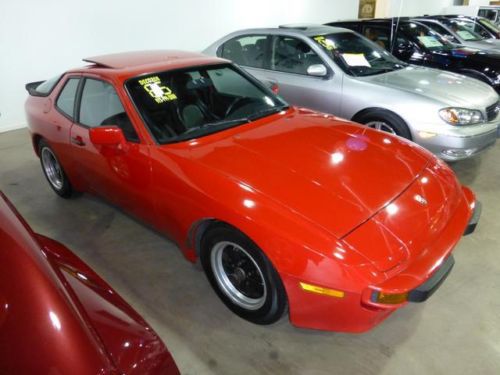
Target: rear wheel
{"x":242,"y":276}
{"x":53,"y":171}
{"x":385,"y":121}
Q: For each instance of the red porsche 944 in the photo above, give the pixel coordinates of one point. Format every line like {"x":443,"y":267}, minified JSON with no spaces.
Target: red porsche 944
{"x":283,"y":206}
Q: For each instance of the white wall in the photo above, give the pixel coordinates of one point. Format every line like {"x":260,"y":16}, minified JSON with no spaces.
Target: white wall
{"x":42,"y":38}
{"x":410,"y":8}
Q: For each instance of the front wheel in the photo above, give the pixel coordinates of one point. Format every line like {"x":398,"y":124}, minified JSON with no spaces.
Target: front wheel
{"x":385,"y":121}
{"x":242,"y":276}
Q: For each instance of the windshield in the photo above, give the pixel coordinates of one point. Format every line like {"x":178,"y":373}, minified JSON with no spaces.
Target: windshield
{"x":459,"y":28}
{"x":357,"y":55}
{"x":425,"y":37}
{"x":489,"y":25}
{"x":190,"y":103}
{"x":475,"y":27}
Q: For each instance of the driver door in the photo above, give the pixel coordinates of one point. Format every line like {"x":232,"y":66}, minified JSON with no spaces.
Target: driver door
{"x":122,"y":176}
{"x":290,"y":59}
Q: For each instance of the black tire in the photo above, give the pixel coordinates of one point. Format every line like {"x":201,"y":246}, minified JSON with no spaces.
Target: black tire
{"x":273,"y":301}
{"x":62,"y":187}
{"x":395,"y":122}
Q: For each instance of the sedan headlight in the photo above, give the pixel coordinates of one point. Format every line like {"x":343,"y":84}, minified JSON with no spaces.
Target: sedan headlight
{"x":461,"y":116}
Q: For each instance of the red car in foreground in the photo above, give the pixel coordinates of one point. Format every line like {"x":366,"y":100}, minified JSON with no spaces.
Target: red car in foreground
{"x":57,"y":316}
{"x":283,"y":206}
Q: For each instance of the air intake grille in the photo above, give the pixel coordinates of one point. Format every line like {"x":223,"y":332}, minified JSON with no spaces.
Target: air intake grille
{"x":492,"y":111}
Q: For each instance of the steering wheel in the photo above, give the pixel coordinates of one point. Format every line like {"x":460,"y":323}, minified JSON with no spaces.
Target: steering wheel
{"x":237,"y":103}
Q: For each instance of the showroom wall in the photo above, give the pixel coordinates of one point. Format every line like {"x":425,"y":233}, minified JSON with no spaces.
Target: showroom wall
{"x":394,"y":8}
{"x":39,"y":39}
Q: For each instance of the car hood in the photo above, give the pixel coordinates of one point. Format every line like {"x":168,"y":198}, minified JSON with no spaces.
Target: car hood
{"x":493,"y":44}
{"x":331,"y":172}
{"x":437,"y":85}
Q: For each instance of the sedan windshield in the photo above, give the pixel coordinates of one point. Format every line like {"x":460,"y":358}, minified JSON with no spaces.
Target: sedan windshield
{"x":190,"y":103}
{"x":460,"y":28}
{"x":357,"y":55}
{"x":475,"y":27}
{"x":425,"y":37}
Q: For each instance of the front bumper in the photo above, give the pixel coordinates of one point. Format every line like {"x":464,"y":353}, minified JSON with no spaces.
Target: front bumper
{"x":471,"y":227}
{"x":461,"y":143}
{"x":427,"y":289}
{"x":356,"y":311}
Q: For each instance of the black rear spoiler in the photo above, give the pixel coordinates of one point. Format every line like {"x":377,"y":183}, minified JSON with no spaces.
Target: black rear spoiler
{"x":31,"y":88}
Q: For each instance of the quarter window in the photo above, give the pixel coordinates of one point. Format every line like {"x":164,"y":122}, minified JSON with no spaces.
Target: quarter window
{"x":247,"y":51}
{"x":100,"y":105}
{"x":66,"y":100}
{"x":292,"y":55}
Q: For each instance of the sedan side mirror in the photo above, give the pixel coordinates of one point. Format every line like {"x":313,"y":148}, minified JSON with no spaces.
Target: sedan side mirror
{"x":107,"y":136}
{"x":273,"y":86}
{"x":317,"y":70}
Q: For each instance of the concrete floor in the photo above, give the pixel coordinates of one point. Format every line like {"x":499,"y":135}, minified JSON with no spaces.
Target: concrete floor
{"x":456,"y":332}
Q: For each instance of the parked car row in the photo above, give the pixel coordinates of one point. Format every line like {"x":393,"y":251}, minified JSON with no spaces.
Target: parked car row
{"x":286,"y":207}
{"x":337,"y":71}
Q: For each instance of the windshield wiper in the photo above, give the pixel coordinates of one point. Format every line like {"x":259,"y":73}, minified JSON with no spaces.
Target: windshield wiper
{"x":222,"y":123}
{"x":218,"y":123}
{"x":267,"y":112}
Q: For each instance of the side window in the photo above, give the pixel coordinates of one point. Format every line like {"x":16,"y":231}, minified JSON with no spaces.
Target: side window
{"x":247,"y":51}
{"x":228,"y":82}
{"x":100,"y":106}
{"x":66,"y":99}
{"x":378,"y":35}
{"x":292,"y":55}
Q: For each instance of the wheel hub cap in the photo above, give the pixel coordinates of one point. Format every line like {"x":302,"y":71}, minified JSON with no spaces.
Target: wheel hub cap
{"x":238,"y":275}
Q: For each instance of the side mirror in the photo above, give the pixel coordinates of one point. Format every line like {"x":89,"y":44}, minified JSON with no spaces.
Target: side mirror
{"x":107,"y":136}
{"x":317,"y":70}
{"x":273,"y":86}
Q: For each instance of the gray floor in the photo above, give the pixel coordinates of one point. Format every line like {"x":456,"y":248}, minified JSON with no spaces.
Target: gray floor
{"x":456,"y":332}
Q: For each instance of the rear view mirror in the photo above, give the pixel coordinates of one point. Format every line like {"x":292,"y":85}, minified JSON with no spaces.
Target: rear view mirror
{"x":107,"y":136}
{"x":317,"y":70}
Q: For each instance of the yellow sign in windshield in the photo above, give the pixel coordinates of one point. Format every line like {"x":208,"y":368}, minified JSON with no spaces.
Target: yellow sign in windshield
{"x":325,"y":43}
{"x":160,"y":93}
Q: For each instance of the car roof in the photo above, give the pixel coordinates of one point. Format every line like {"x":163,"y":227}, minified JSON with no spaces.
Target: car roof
{"x":310,"y":29}
{"x":374,"y":20}
{"x":294,"y":29}
{"x":127,"y":64}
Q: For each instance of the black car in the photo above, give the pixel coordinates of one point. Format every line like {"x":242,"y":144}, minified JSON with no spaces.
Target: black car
{"x":413,"y":42}
{"x":480,"y":25}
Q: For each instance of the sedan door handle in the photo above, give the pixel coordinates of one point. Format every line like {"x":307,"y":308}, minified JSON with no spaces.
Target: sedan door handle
{"x":78,"y":141}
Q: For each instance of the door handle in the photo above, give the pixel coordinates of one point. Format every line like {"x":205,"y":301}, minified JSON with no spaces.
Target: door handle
{"x":78,"y":140}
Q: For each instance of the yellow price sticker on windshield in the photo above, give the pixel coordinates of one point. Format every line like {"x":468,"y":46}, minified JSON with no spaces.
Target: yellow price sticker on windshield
{"x":325,"y":43}
{"x":160,"y":93}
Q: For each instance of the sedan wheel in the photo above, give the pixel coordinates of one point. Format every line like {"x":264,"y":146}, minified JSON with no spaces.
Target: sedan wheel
{"x":382,"y":126}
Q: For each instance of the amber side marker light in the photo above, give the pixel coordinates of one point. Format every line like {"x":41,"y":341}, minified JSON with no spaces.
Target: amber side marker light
{"x":320,"y":290}
{"x":389,"y":298}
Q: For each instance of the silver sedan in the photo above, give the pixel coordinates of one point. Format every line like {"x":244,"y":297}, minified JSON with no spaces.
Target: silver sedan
{"x":335,"y":70}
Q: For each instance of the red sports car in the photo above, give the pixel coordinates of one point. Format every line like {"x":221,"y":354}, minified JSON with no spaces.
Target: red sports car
{"x":57,"y":316}
{"x":283,"y":206}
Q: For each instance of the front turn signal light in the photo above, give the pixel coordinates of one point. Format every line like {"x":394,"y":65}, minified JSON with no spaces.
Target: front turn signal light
{"x":390,"y":298}
{"x":320,"y":290}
